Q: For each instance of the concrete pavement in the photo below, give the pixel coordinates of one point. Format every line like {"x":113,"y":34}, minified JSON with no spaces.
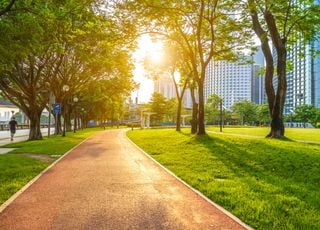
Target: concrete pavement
{"x":21,"y":135}
{"x":108,"y":183}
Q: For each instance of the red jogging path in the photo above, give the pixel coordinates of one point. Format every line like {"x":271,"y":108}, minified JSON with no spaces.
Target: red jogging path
{"x":108,"y":183}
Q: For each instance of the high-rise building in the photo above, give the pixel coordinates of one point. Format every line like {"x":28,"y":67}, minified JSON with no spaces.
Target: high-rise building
{"x":303,"y":78}
{"x":316,"y":76}
{"x":235,"y":81}
{"x":165,"y":86}
{"x":258,"y":94}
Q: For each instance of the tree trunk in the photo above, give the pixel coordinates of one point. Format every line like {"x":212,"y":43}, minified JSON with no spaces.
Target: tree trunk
{"x":277,"y":126}
{"x":58,"y":128}
{"x":35,"y":132}
{"x":201,"y":126}
{"x":194,"y":120}
{"x":178,"y":121}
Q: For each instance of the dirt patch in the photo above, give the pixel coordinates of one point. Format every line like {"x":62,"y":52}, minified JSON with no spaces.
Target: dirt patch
{"x":42,"y":157}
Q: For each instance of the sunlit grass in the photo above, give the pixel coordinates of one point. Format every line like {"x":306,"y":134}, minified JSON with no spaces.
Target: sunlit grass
{"x":17,"y":169}
{"x":269,"y":184}
{"x":291,"y":133}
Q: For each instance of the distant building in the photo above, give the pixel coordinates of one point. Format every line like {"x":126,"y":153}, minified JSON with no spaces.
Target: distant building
{"x":7,"y":109}
{"x":165,"y":86}
{"x":235,"y":81}
{"x":258,"y":94}
{"x":303,"y":79}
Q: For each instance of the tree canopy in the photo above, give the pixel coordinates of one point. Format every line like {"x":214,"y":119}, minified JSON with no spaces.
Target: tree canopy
{"x":57,"y":43}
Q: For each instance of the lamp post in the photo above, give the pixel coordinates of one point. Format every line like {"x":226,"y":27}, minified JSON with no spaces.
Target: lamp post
{"x":65,"y":89}
{"x":75,"y":100}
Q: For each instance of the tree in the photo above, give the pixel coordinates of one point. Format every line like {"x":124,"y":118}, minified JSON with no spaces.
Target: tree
{"x":24,"y":50}
{"x":246,"y":111}
{"x":283,"y":23}
{"x":263,"y":115}
{"x":173,"y":65}
{"x":212,"y":108}
{"x":307,"y":113}
{"x":60,"y":43}
{"x":203,"y":30}
{"x":158,"y":105}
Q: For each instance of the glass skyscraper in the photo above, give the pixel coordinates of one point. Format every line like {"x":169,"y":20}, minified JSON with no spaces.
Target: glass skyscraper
{"x":303,"y":78}
{"x":235,"y":81}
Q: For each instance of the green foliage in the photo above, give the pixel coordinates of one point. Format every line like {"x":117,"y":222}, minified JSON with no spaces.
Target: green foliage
{"x":286,"y":24}
{"x":267,"y":183}
{"x":307,"y":113}
{"x":164,"y":109}
{"x":263,"y":114}
{"x":245,"y":110}
{"x":200,"y":29}
{"x":212,"y":108}
{"x":49,"y":44}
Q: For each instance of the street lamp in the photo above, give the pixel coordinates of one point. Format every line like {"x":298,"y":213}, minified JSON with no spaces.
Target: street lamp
{"x":75,"y":100}
{"x":65,"y":89}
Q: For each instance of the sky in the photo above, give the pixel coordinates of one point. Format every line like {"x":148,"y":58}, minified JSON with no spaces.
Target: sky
{"x":154,"y":51}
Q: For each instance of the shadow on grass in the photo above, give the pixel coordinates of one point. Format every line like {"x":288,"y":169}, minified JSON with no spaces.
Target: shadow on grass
{"x":279,"y":171}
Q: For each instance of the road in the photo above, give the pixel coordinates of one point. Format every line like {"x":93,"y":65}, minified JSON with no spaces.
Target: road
{"x":108,"y":183}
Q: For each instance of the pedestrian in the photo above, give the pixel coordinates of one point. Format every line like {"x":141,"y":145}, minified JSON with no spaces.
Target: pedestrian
{"x":13,"y":125}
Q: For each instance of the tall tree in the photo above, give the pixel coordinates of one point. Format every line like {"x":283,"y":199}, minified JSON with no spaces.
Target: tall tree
{"x":174,"y":64}
{"x":282,"y":23}
{"x":203,"y":29}
{"x":60,"y":43}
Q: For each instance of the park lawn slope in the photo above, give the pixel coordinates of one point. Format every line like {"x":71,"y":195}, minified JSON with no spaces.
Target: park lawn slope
{"x":269,"y":184}
{"x":31,"y":157}
{"x":291,"y":133}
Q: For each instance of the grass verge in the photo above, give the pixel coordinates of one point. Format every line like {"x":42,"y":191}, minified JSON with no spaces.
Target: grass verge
{"x":269,"y":184}
{"x":31,"y":157}
{"x":292,"y":133}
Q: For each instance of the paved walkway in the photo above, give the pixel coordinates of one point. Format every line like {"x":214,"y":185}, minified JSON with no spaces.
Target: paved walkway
{"x":107,"y":183}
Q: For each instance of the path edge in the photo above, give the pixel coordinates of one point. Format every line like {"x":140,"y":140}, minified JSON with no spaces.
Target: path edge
{"x":224,"y":211}
{"x":25,"y":187}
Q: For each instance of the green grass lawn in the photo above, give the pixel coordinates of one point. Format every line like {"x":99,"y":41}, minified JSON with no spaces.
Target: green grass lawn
{"x":269,"y":184}
{"x":18,"y":167}
{"x":291,"y":133}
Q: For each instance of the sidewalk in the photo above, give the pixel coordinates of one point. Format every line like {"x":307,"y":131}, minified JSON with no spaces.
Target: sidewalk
{"x":21,"y":135}
{"x":108,"y":183}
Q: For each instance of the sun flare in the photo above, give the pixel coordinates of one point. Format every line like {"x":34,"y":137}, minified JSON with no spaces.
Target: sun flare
{"x":152,"y":51}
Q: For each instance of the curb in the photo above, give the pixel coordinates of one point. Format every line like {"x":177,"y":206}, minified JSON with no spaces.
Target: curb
{"x":18,"y":193}
{"x":227,"y":213}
